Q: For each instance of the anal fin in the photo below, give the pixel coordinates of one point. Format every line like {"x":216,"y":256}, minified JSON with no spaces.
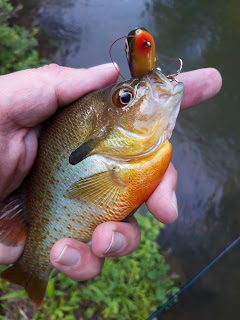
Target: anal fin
{"x":13,"y":225}
{"x":34,"y":287}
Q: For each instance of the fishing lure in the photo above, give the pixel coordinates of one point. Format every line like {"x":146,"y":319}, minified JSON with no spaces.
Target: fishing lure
{"x":141,"y":55}
{"x":140,"y":51}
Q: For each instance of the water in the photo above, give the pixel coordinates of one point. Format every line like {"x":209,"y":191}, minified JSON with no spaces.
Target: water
{"x":206,"y":140}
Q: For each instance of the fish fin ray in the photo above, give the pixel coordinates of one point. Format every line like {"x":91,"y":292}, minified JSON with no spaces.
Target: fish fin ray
{"x":34,"y":287}
{"x":101,"y":187}
{"x":13,"y":224}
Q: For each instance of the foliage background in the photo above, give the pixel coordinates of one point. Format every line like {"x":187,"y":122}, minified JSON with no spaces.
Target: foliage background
{"x":17,"y":44}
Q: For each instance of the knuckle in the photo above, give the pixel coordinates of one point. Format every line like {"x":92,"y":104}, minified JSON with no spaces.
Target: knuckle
{"x":51,"y":70}
{"x":50,"y":67}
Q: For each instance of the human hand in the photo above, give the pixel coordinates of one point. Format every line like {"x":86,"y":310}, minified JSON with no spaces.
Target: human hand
{"x":30,"y":97}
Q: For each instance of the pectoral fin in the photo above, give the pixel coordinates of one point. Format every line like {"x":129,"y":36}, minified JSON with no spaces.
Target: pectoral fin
{"x":101,"y":187}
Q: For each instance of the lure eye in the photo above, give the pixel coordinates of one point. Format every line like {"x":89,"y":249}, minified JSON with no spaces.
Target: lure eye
{"x":122,"y":97}
{"x":147,"y":44}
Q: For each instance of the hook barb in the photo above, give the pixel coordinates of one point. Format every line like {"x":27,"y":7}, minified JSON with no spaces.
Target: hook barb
{"x":171,"y":77}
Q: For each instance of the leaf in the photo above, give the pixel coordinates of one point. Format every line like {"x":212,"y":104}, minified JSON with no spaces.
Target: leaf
{"x":15,"y":294}
{"x":90,"y":312}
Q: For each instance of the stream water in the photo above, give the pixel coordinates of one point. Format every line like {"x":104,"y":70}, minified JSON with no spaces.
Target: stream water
{"x":78,"y":33}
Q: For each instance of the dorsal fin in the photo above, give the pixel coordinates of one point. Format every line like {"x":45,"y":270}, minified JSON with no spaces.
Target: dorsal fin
{"x":13,"y":225}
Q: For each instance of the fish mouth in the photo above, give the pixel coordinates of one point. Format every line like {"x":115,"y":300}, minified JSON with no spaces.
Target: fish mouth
{"x":176,"y":98}
{"x":164,"y":100}
{"x":166,"y":135}
{"x":177,"y":94}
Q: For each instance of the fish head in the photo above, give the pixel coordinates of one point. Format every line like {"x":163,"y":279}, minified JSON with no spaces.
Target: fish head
{"x":144,"y":109}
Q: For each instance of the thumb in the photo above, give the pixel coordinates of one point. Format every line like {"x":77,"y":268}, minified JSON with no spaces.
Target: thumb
{"x":32,"y":96}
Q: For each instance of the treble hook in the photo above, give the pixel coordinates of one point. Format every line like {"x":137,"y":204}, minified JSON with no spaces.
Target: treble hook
{"x":171,"y":77}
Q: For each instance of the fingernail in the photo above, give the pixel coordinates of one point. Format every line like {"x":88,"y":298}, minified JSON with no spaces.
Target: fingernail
{"x":68,"y":257}
{"x":174,"y":202}
{"x":106,"y":66}
{"x":117,"y":243}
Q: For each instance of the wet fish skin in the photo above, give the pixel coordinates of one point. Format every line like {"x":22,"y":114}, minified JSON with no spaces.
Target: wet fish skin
{"x":119,"y":155}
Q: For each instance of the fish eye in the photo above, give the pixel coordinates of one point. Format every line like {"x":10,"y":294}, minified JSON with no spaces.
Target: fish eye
{"x":122,"y":97}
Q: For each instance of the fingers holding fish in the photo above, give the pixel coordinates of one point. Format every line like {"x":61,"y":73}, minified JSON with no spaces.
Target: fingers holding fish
{"x":75,"y":259}
{"x":163,"y":202}
{"x":200,"y":85}
{"x":10,"y":254}
{"x":116,"y":239}
{"x":30,"y":97}
{"x":80,"y":261}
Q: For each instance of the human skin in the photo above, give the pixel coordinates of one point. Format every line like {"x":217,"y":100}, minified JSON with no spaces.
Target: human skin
{"x":30,"y":97}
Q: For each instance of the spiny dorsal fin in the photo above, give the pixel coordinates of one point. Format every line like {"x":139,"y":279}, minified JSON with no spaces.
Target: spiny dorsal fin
{"x":13,"y":225}
{"x":104,"y":186}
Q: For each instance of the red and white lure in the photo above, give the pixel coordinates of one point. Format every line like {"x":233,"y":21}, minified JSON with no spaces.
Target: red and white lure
{"x":140,"y":52}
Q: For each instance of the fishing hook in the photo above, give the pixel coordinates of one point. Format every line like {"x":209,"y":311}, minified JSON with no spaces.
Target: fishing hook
{"x":111,"y":54}
{"x":171,"y":77}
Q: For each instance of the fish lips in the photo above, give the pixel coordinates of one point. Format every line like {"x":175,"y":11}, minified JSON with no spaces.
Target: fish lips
{"x":167,"y":95}
{"x":164,"y":93}
{"x":178,"y":91}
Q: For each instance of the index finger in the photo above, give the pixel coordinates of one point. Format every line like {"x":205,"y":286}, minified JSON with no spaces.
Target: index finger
{"x":200,"y":85}
{"x":32,"y":96}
